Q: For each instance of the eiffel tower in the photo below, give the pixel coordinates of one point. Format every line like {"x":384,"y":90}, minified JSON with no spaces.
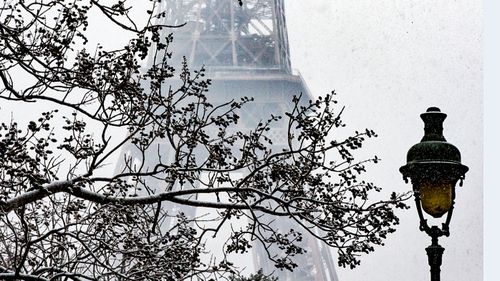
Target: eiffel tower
{"x":245,"y":52}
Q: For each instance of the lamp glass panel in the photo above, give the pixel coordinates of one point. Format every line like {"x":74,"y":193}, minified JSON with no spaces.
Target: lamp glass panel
{"x":436,"y":197}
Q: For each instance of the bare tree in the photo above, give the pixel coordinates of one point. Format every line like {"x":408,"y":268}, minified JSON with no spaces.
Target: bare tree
{"x":65,"y":215}
{"x":259,"y":276}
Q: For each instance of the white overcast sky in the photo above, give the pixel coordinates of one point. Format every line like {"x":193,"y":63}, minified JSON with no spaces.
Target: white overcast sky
{"x":390,"y":60}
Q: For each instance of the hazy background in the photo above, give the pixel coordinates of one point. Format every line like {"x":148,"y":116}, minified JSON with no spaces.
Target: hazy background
{"x":390,"y":60}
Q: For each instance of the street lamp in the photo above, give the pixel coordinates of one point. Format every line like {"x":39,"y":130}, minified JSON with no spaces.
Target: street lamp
{"x":434,"y":167}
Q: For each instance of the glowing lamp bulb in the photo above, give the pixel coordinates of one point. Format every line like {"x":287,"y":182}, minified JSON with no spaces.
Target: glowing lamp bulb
{"x":436,"y":197}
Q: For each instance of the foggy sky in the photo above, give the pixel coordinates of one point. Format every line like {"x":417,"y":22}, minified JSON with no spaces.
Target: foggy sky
{"x":389,"y":61}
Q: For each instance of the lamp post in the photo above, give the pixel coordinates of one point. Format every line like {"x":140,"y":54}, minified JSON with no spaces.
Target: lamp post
{"x":434,"y":167}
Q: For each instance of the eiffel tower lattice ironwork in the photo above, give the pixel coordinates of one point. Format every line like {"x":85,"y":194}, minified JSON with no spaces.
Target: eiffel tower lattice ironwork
{"x":245,"y":52}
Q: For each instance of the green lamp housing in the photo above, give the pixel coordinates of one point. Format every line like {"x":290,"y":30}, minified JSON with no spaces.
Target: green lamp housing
{"x":434,"y":167}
